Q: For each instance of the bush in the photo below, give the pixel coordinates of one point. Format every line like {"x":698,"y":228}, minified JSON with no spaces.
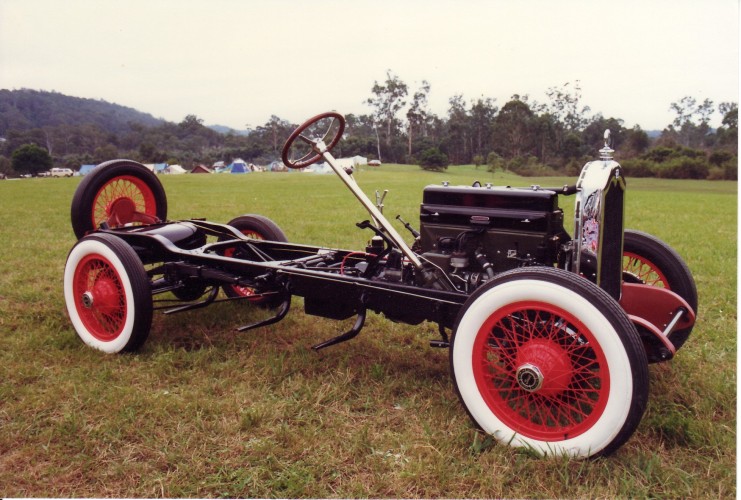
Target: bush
{"x":530,"y":167}
{"x":495,"y":162}
{"x":433,"y":159}
{"x":718,"y":158}
{"x":664,"y":154}
{"x":638,"y":168}
{"x":684,"y":168}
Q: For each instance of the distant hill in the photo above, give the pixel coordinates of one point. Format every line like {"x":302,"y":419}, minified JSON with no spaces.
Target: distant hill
{"x":28,"y":109}
{"x":225,"y":130}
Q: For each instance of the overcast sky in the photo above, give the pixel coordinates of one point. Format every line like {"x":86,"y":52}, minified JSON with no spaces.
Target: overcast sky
{"x":236,"y":63}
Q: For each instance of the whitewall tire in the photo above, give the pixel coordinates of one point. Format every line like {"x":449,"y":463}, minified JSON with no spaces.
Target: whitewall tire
{"x":543,"y":359}
{"x":107,"y":293}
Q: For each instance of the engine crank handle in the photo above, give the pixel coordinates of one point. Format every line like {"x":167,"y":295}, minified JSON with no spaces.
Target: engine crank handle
{"x":372,"y":210}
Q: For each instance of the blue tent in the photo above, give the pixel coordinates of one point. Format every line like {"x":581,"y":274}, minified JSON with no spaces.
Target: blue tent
{"x":239,"y":167}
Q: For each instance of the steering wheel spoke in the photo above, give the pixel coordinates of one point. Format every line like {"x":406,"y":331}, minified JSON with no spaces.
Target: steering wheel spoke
{"x":307,"y":140}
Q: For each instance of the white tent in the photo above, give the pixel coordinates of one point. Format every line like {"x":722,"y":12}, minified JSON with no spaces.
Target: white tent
{"x":174,"y":169}
{"x":318,"y":168}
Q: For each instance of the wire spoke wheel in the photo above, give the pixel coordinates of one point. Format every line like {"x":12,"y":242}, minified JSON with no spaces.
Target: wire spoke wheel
{"x":648,"y":260}
{"x":108,"y":294}
{"x":99,"y":297}
{"x":256,"y":227}
{"x":643,"y":270}
{"x":123,"y":200}
{"x":541,"y":370}
{"x":544,"y":359}
{"x":117,"y":193}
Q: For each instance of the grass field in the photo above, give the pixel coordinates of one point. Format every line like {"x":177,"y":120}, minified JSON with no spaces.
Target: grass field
{"x":203,"y":411}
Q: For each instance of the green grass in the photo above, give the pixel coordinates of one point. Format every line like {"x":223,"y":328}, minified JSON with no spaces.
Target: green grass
{"x":203,"y":411}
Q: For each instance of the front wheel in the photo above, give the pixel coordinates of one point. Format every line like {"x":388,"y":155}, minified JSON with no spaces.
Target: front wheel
{"x":108,"y":294}
{"x":544,"y":359}
{"x":650,"y":261}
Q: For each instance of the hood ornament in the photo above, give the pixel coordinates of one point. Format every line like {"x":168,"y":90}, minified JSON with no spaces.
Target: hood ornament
{"x":606,"y":152}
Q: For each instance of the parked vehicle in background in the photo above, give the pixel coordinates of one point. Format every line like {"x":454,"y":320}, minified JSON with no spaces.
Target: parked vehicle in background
{"x":61,"y":172}
{"x":46,"y":173}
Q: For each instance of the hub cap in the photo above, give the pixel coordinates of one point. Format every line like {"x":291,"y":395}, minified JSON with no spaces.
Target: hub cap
{"x":529,"y":377}
{"x":87,"y":300}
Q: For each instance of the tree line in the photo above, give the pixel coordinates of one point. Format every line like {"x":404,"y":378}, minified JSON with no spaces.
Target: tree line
{"x":524,"y":136}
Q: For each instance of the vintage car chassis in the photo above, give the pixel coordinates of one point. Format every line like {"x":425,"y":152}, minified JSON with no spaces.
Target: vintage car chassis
{"x":549,"y":347}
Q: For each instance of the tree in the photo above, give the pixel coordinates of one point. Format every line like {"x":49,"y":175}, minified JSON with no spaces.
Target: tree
{"x":513,"y":129}
{"x":690,"y":126}
{"x":31,"y":159}
{"x":191,"y":124}
{"x":387,"y":101}
{"x":566,"y":106}
{"x":458,"y":134}
{"x":594,"y":134}
{"x":568,"y":114}
{"x":482,"y":114}
{"x":728,"y":132}
{"x":274,"y":132}
{"x":417,"y":114}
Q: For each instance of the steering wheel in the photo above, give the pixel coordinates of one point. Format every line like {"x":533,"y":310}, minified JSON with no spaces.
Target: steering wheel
{"x":324,"y":127}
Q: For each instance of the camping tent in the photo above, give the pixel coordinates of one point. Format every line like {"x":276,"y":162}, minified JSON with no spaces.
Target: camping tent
{"x":85,"y":169}
{"x":173,"y":169}
{"x":201,"y":169}
{"x":157,"y":168}
{"x":277,"y":166}
{"x":238,"y":166}
{"x":318,"y":168}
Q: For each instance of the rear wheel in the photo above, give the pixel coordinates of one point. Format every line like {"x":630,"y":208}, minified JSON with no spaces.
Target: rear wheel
{"x":260,"y":228}
{"x":108,"y":294}
{"x":544,"y":359}
{"x":117,"y":193}
{"x":648,"y":260}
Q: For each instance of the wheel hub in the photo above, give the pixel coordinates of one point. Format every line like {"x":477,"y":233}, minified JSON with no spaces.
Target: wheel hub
{"x":121,"y":211}
{"x":87,"y":300}
{"x":543,"y":367}
{"x":104,"y":297}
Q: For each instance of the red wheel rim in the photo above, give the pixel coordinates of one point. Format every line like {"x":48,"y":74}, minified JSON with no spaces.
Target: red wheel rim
{"x":100,"y":299}
{"x":645,"y":270}
{"x":121,"y":199}
{"x":541,"y":371}
{"x":244,"y":291}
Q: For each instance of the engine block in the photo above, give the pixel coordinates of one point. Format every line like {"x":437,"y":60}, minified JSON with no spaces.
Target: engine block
{"x":466,"y":228}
